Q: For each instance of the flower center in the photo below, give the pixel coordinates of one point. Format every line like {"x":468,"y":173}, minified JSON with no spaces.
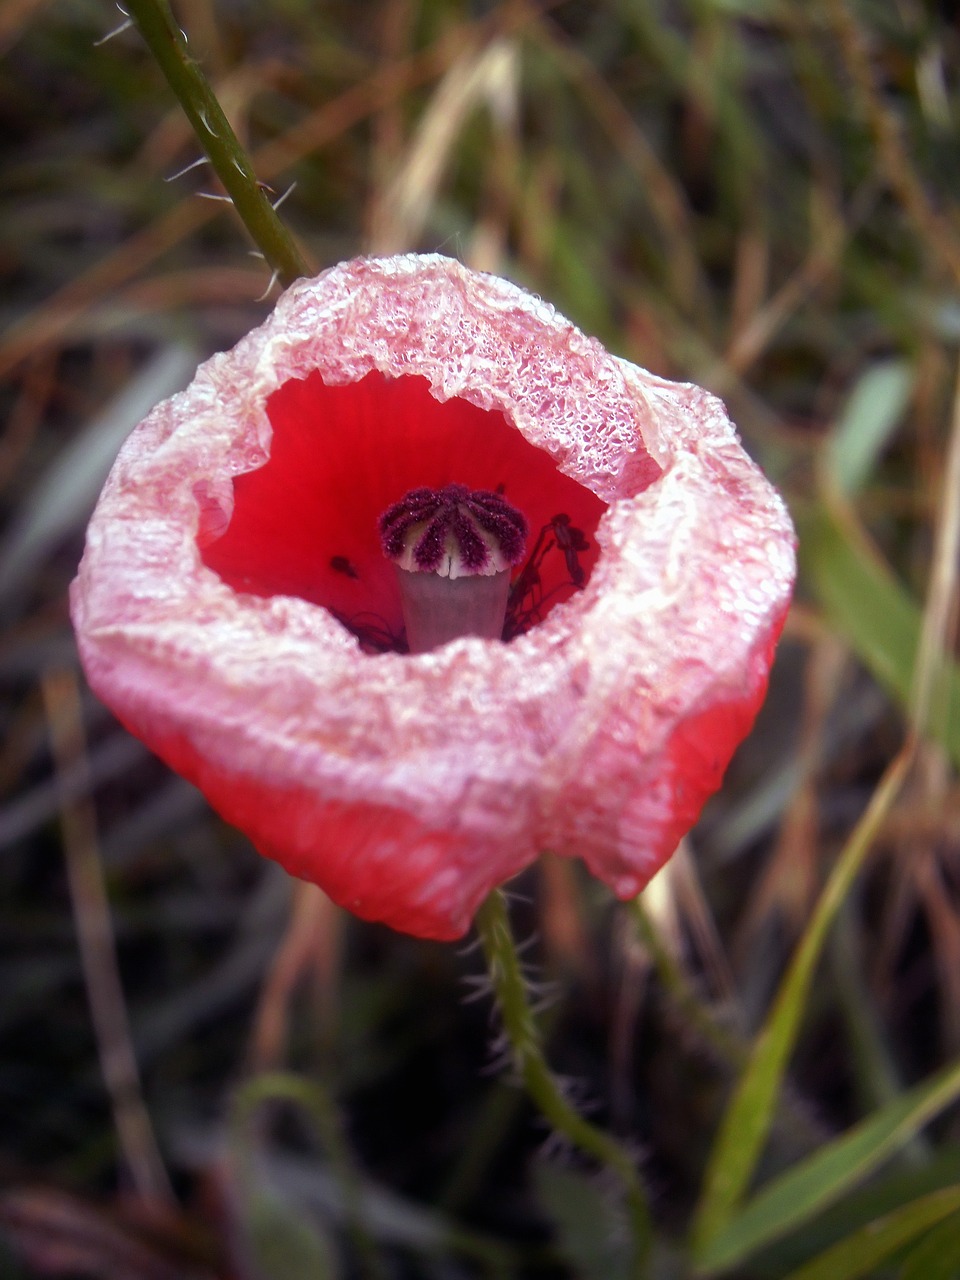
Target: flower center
{"x":454,"y":549}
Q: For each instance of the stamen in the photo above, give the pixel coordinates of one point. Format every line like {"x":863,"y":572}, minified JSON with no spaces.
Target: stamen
{"x":527,"y":601}
{"x":454,"y":549}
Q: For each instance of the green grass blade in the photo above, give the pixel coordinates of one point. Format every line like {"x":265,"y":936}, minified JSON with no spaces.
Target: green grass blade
{"x":872,"y":611}
{"x":869,"y":419}
{"x":890,"y":1187}
{"x":746,"y":1123}
{"x":860,"y":1253}
{"x":937,"y":1256}
{"x":823,"y":1177}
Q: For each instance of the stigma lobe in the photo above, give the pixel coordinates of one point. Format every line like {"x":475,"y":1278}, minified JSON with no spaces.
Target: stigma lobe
{"x":453,"y":532}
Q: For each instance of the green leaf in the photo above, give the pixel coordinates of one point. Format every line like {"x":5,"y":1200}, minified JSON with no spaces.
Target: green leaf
{"x":865,"y":1249}
{"x":887,"y":1189}
{"x":872,"y":611}
{"x":872,"y":413}
{"x":746,"y":1122}
{"x":937,"y":1256}
{"x":592,"y":1233}
{"x":824,"y":1176}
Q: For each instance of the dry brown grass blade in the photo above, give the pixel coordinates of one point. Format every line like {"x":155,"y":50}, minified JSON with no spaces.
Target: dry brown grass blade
{"x":667,"y":200}
{"x":751,"y":278}
{"x":565,"y":938}
{"x":311,"y":946}
{"x":675,"y":903}
{"x":389,"y":128}
{"x":752,"y":337}
{"x":921,"y":868}
{"x":944,"y":925}
{"x":485,"y":76}
{"x":54,"y":317}
{"x":206,"y":286}
{"x":695,"y":910}
{"x":62,"y":1235}
{"x":91,"y":911}
{"x":925,"y":835}
{"x":942,"y":591}
{"x":938,"y":233}
{"x":33,"y":396}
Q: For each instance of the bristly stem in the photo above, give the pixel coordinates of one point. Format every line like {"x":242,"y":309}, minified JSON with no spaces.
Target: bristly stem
{"x":520,"y":1028}
{"x":215,"y":134}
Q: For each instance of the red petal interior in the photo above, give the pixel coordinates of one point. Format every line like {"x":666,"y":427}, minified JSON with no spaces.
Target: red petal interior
{"x":305,"y":523}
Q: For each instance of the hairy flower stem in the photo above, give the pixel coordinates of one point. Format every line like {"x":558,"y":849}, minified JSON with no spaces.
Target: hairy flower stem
{"x":168,"y":45}
{"x":506,"y":975}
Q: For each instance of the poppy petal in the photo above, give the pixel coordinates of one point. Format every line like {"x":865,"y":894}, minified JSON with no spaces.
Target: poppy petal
{"x":235,"y":552}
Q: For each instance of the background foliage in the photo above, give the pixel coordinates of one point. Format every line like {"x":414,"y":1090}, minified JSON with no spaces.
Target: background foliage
{"x":758,"y":195}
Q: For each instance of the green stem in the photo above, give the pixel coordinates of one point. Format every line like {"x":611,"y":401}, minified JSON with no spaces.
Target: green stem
{"x":506,"y":974}
{"x":230,"y":161}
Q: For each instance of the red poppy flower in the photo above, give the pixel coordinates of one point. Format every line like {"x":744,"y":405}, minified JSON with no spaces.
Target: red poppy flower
{"x":237,"y":611}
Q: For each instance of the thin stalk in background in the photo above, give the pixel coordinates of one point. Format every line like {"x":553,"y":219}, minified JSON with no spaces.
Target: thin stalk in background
{"x":98,"y":955}
{"x":274,"y":1087}
{"x":230,"y":161}
{"x":523,"y":1036}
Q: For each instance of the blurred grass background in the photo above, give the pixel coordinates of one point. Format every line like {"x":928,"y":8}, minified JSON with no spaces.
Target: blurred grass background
{"x":758,"y":195}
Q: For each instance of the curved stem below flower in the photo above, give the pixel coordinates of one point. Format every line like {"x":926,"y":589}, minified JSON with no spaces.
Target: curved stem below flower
{"x":506,"y":975}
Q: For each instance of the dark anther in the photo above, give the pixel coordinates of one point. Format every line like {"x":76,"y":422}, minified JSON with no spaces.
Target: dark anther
{"x":527,"y":602}
{"x":570,"y":540}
